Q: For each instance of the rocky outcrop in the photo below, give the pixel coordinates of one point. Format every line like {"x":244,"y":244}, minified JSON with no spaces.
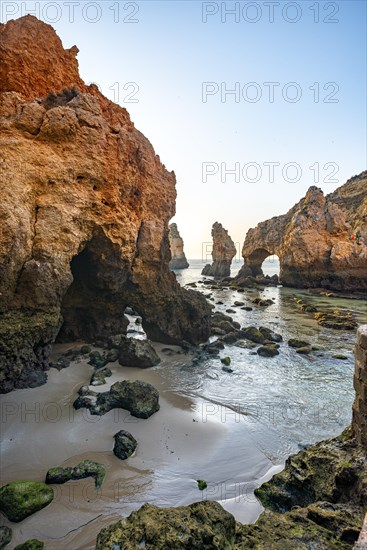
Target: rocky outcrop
{"x":20,"y":499}
{"x":134,"y":352}
{"x":223,"y":252}
{"x":125,"y":444}
{"x":203,"y":525}
{"x":139,"y":398}
{"x":313,"y":240}
{"x":86,"y":468}
{"x":178,"y":258}
{"x":360,"y":385}
{"x":84,"y":206}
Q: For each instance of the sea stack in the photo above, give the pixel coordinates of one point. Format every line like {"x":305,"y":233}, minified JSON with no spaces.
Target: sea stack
{"x":223,"y":252}
{"x":178,"y":258}
{"x":85,"y":205}
{"x":321,"y":242}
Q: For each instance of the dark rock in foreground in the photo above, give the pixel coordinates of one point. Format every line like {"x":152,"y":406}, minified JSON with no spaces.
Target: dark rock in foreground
{"x":20,"y":499}
{"x":125,"y":444}
{"x":267,"y":351}
{"x":201,"y":526}
{"x":137,"y":353}
{"x":5,"y":536}
{"x":86,"y":468}
{"x":25,"y":343}
{"x":139,"y":398}
{"x":32,"y":544}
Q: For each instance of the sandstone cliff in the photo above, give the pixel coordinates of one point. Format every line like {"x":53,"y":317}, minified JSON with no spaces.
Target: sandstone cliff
{"x":313,"y":240}
{"x":178,"y":258}
{"x":223,"y":252}
{"x":84,"y":208}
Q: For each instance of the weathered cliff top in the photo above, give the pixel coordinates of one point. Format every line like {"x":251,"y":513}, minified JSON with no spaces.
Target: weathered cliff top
{"x":352,"y":198}
{"x":33,"y":60}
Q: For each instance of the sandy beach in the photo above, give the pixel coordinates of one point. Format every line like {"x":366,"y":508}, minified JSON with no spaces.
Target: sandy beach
{"x":184,"y":441}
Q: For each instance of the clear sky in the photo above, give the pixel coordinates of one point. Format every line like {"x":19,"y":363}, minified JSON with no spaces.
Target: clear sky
{"x":297,"y":71}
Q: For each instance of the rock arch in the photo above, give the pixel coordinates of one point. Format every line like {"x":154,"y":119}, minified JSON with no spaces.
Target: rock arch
{"x":313,"y":240}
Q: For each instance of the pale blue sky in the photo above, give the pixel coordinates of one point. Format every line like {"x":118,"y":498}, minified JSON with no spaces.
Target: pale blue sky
{"x":169,"y":52}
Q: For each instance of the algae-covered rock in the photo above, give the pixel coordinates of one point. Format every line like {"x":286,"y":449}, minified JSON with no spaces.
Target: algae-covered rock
{"x":20,"y":499}
{"x":25,"y":343}
{"x":305,"y":350}
{"x":293,"y":530}
{"x":334,"y":471}
{"x":96,"y":359}
{"x":140,"y":398}
{"x":226,"y":361}
{"x":86,"y":468}
{"x":317,"y":502}
{"x":270,"y":334}
{"x":125,"y":444}
{"x":5,"y":536}
{"x":32,"y":544}
{"x":202,"y":484}
{"x":262,"y":302}
{"x":99,"y":377}
{"x":253,"y":334}
{"x":336,"y":319}
{"x":297,"y":343}
{"x":201,"y":526}
{"x":267,"y":351}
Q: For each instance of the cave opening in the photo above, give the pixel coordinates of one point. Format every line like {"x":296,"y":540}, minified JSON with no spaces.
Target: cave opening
{"x":271,"y":265}
{"x":93,"y":306}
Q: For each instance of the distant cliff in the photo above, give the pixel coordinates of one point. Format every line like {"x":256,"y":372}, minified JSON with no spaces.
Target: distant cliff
{"x":178,"y":258}
{"x":223,"y":252}
{"x":84,"y":206}
{"x":314,"y":240}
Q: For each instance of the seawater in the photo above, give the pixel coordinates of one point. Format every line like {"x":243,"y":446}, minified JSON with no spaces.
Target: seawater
{"x":290,"y":400}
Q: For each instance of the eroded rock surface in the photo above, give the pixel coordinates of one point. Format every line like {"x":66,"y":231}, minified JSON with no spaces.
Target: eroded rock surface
{"x":139,"y":398}
{"x":20,"y":499}
{"x":202,"y":525}
{"x":178,"y":258}
{"x":86,"y":468}
{"x":85,"y":204}
{"x":314,"y":240}
{"x":223,"y":253}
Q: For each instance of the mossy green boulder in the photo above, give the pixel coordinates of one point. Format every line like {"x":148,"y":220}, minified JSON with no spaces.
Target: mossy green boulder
{"x":202,"y":484}
{"x":21,"y":499}
{"x":5,"y":536}
{"x":202,"y":525}
{"x":86,"y":468}
{"x":32,"y":544}
{"x":253,"y":334}
{"x":297,"y":343}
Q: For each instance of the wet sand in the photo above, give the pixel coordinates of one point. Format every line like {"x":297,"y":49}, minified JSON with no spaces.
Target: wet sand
{"x":186,"y":440}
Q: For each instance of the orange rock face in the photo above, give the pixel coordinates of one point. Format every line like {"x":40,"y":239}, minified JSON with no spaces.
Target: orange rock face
{"x":84,"y":205}
{"x":178,"y":260}
{"x":223,"y":252}
{"x":314,"y":240}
